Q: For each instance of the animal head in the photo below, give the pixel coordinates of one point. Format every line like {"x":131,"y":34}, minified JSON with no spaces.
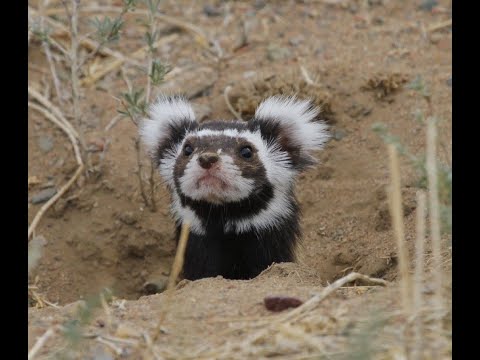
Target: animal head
{"x":229,"y":161}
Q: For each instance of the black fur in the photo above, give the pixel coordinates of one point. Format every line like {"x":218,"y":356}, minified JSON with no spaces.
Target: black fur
{"x":238,"y":256}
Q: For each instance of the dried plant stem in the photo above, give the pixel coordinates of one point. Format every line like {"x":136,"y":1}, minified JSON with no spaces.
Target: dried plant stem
{"x":50,"y":202}
{"x":327,"y":291}
{"x":40,"y":343}
{"x":441,"y":25}
{"x":434,"y":209}
{"x":179,"y":256}
{"x":115,"y":64}
{"x":396,"y":210}
{"x":229,"y":104}
{"x":419,"y":275}
{"x":71,"y":134}
{"x":311,"y":304}
{"x":78,"y":157}
{"x":153,"y":29}
{"x":48,"y":55}
{"x":139,"y":173}
{"x":153,"y":204}
{"x":55,"y":111}
{"x":88,"y":43}
{"x":74,"y":62}
{"x":195,"y":30}
{"x":175,"y":271}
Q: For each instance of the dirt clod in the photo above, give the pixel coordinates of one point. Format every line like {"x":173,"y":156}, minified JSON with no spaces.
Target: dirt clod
{"x":43,"y":195}
{"x":385,"y":84}
{"x":280,"y":303}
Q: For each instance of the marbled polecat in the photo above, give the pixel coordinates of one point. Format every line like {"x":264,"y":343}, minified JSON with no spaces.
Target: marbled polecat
{"x":233,"y":181}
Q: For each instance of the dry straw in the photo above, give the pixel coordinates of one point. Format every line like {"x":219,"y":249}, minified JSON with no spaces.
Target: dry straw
{"x":419,"y":274}
{"x":396,"y":210}
{"x":434,"y":210}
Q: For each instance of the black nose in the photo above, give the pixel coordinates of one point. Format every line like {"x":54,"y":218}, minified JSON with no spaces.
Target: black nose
{"x":206,"y":160}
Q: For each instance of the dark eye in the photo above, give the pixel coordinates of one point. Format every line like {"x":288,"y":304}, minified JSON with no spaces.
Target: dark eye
{"x":246,"y":152}
{"x":187,"y":150}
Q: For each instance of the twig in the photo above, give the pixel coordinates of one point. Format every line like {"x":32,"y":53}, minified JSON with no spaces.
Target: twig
{"x":78,"y":157}
{"x":396,"y":211}
{"x":307,"y":77}
{"x":70,"y":133}
{"x":229,"y":105}
{"x":153,"y":204}
{"x":175,"y":271}
{"x":179,"y":256}
{"x":74,"y":62}
{"x":115,"y":348}
{"x":55,"y":111}
{"x":439,"y":26}
{"x":312,"y":303}
{"x":113,"y":122}
{"x":48,"y":55}
{"x":419,"y":273}
{"x":88,"y":43}
{"x":50,"y":202}
{"x":108,"y":313}
{"x":153,"y":29}
{"x":139,"y":172}
{"x":195,"y":30}
{"x":432,"y":175}
{"x":40,"y":343}
{"x":113,"y":65}
{"x":317,"y":299}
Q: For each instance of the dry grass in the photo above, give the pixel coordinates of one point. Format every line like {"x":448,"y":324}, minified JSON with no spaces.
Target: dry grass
{"x":246,"y":97}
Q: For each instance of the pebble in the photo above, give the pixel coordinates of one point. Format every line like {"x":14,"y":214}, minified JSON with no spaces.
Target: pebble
{"x":339,"y":134}
{"x":428,"y":5}
{"x":296,"y":40}
{"x":449,"y":81}
{"x":275,"y":53}
{"x":435,"y":38}
{"x":211,"y":10}
{"x":279,"y":303}
{"x":128,"y":218}
{"x":155,"y":286}
{"x":43,"y":196}
{"x":45,"y":143}
{"x":249,"y":74}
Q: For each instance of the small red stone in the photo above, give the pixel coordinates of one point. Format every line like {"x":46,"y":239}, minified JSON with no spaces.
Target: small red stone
{"x":279,"y":303}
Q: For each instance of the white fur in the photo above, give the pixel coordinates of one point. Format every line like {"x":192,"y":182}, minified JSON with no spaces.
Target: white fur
{"x":185,"y":214}
{"x":227,"y":171}
{"x":162,"y":113}
{"x":278,"y":209}
{"x":296,"y":116}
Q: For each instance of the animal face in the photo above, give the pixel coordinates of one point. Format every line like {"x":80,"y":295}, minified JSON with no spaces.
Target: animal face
{"x":224,"y":162}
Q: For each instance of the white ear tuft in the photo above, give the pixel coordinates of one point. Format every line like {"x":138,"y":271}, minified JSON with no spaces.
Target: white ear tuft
{"x":167,"y":115}
{"x":298,"y":120}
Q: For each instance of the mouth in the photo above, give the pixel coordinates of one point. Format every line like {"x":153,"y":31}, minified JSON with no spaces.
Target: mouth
{"x":212,"y":182}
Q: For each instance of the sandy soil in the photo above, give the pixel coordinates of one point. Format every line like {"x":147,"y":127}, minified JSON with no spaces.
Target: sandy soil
{"x":100,"y":234}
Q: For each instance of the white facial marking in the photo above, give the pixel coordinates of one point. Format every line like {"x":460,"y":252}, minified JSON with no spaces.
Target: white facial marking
{"x":223,"y":181}
{"x":276,"y":162}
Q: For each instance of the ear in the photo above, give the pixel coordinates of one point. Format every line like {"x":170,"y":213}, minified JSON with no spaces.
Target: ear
{"x":170,"y":118}
{"x":293,"y":125}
